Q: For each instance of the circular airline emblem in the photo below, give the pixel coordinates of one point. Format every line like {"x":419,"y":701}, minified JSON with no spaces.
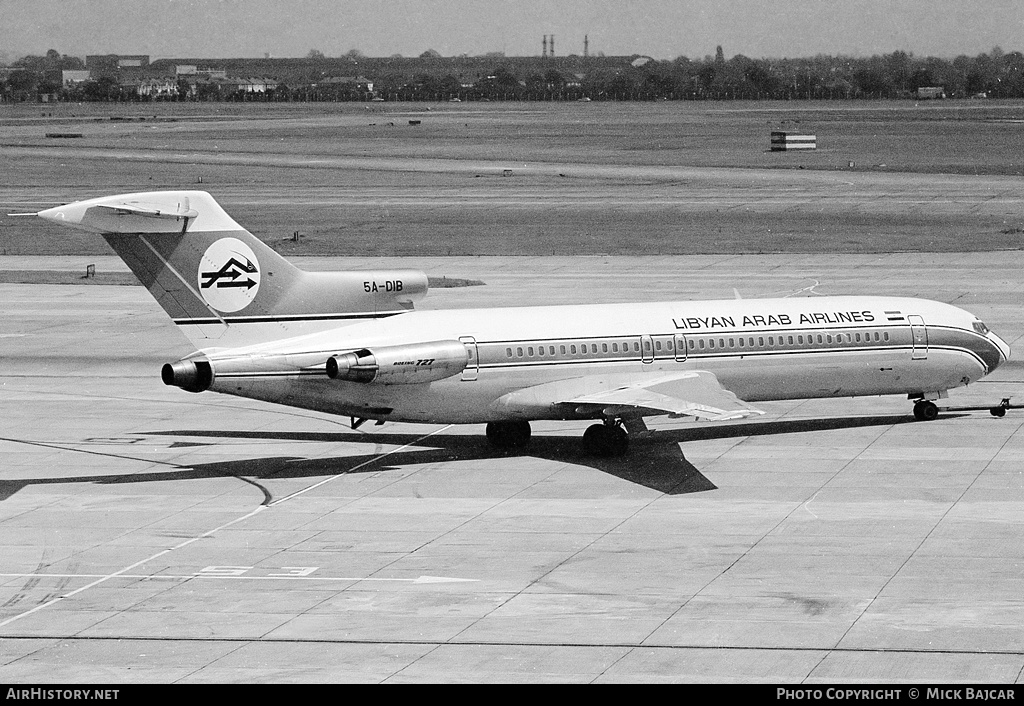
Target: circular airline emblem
{"x":229,"y":275}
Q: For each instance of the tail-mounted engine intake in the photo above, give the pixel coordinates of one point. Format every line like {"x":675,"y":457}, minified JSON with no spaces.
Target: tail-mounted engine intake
{"x":400,"y":365}
{"x":189,"y":375}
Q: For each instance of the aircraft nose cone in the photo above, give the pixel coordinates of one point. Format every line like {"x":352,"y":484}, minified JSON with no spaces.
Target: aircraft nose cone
{"x":1004,"y":348}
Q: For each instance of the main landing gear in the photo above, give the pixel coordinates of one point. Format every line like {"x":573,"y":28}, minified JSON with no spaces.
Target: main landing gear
{"x":925,"y":410}
{"x":508,"y":435}
{"x":608,"y":439}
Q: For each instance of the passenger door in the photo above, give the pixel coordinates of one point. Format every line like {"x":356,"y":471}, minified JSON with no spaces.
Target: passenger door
{"x":919,"y":334}
{"x":647,"y":349}
{"x":473,"y":365}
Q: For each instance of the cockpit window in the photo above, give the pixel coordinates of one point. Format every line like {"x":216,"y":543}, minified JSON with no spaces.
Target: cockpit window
{"x":980,"y":327}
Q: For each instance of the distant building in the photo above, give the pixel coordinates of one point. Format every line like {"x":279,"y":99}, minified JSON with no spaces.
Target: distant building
{"x":69,"y":78}
{"x":116,"y":61}
{"x":166,"y":87}
{"x":113,"y":65}
{"x":358,"y":82}
{"x":133,"y":62}
{"x":248,"y":85}
{"x":931,"y":92}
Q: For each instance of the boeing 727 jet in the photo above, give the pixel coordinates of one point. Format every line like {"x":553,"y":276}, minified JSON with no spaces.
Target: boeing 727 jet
{"x":351,"y":343}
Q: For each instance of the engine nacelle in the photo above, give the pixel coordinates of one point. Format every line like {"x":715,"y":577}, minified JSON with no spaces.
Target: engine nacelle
{"x":189,"y":375}
{"x":400,"y":365}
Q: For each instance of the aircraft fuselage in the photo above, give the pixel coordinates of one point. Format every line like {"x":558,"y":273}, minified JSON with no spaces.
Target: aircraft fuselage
{"x":768,"y":349}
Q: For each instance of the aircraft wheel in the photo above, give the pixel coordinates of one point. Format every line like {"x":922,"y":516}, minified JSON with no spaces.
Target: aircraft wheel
{"x":998,"y":411}
{"x":508,"y":435}
{"x":606,"y":440}
{"x":925,"y":411}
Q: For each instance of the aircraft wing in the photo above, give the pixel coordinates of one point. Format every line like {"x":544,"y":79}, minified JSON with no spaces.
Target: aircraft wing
{"x":694,"y":393}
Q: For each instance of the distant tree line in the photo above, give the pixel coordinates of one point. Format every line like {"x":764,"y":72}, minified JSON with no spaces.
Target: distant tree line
{"x":996,"y":74}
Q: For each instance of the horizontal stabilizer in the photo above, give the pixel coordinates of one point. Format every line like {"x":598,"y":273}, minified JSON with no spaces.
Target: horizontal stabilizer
{"x":115,"y":219}
{"x":179,"y":212}
{"x":152,"y":212}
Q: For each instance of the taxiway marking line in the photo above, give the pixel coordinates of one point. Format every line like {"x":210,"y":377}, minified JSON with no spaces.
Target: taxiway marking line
{"x":418,"y":579}
{"x":126,"y":569}
{"x":356,"y":468}
{"x":208,"y":533}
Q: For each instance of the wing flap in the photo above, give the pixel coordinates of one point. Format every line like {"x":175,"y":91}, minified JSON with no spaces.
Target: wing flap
{"x":691,"y":394}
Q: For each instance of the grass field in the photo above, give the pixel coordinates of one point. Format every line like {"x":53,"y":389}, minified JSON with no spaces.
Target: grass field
{"x":534,"y":178}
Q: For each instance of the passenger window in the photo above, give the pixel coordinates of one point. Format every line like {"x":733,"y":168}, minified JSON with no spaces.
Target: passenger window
{"x":819,"y":338}
{"x":604,"y":347}
{"x":741,"y":342}
{"x":561,"y":349}
{"x":771,"y":340}
{"x":519,"y":352}
{"x":711,"y":343}
{"x":572,"y":349}
{"x":760,"y":341}
{"x":790,"y":340}
{"x":657,"y":345}
{"x":615,"y":348}
{"x":530,"y":351}
{"x":593,"y":348}
{"x":800,"y":340}
{"x":636,"y":346}
{"x":885,"y":336}
{"x":702,"y":344}
{"x":732,"y":343}
{"x":721,"y":343}
{"x":540,"y":351}
{"x":508,"y":352}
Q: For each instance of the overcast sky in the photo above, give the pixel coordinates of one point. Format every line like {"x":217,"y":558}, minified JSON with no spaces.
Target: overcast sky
{"x":663,"y":29}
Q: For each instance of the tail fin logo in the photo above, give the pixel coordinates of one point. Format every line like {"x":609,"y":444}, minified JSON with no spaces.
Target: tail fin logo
{"x":229,"y":275}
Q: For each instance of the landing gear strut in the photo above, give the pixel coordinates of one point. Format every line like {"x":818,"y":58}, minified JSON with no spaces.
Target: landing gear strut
{"x":508,"y":435}
{"x":608,"y":439}
{"x":925,"y":411}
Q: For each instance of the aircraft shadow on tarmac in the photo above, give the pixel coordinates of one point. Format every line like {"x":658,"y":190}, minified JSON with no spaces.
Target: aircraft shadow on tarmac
{"x":656,"y":462}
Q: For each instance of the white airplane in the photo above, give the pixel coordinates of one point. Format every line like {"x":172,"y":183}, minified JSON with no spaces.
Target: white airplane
{"x":350,"y":343}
